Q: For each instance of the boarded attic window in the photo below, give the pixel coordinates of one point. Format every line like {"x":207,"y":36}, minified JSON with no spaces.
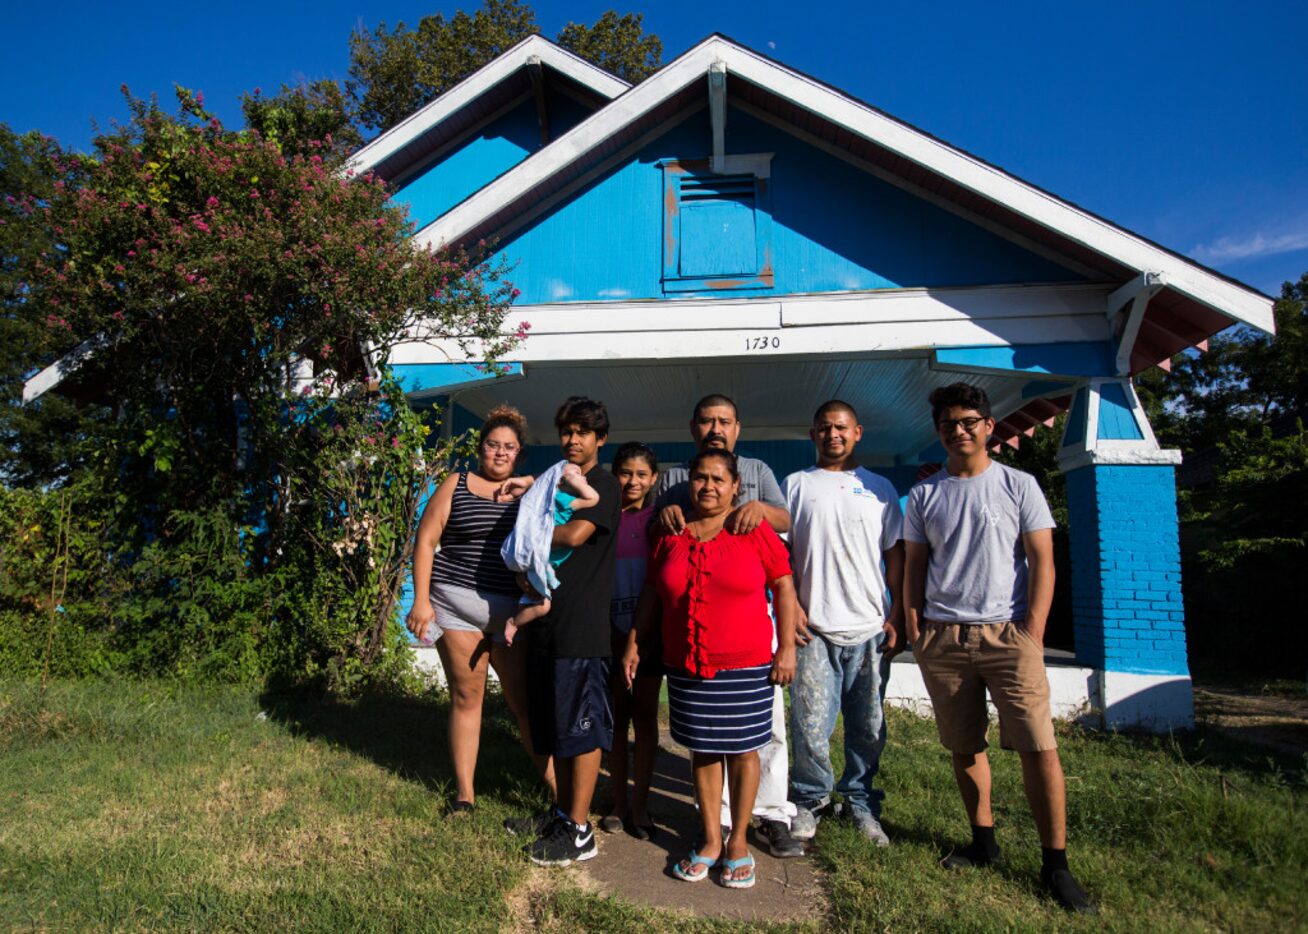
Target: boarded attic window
{"x":717,"y":227}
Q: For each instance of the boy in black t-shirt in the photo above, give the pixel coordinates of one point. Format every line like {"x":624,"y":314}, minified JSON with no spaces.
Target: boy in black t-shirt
{"x":569,"y":649}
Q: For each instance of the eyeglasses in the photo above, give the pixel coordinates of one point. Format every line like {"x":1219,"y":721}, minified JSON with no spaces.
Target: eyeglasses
{"x":947,"y":425}
{"x":497,"y":447}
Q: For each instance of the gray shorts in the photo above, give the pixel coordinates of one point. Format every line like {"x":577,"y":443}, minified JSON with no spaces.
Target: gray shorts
{"x":460,"y":609}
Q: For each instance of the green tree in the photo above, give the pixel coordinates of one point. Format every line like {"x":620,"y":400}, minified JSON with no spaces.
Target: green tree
{"x":618,"y":44}
{"x":394,"y":72}
{"x":235,"y":294}
{"x":304,"y":119}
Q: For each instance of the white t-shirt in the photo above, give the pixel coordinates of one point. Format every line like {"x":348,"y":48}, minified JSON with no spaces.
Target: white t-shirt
{"x":974,"y":525}
{"x":840,"y":523}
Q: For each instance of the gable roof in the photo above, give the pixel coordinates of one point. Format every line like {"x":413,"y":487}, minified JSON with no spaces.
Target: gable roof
{"x":477,"y":97}
{"x":1193,"y":302}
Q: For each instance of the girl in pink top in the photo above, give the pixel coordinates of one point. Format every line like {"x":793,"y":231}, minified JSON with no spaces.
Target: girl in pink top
{"x":637,"y":470}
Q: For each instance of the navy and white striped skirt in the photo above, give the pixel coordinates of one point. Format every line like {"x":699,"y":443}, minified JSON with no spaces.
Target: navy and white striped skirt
{"x":727,"y":714}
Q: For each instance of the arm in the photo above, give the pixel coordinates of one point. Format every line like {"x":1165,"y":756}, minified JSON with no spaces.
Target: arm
{"x":786,"y":607}
{"x":770,"y":507}
{"x":894,"y":626}
{"x":649,"y":609}
{"x":434,"y":516}
{"x":745,"y":519}
{"x":573,"y":534}
{"x":1039,"y":548}
{"x":514,"y":487}
{"x":914,"y":601}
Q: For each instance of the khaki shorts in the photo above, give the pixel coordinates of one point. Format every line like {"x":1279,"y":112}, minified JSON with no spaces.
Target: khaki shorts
{"x":960,"y":661}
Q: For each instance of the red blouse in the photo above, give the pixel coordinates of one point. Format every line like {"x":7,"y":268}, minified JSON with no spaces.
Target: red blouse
{"x":715,"y":606}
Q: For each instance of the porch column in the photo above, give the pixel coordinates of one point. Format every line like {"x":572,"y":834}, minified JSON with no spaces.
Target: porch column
{"x":1128,"y":613}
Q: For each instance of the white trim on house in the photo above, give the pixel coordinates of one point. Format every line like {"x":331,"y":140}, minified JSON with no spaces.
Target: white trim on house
{"x":477,"y":84}
{"x":1119,"y":245}
{"x":842,"y":323}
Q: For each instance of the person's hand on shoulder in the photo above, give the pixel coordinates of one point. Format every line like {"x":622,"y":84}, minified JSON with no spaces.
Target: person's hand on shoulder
{"x":672,"y":521}
{"x":745,"y":519}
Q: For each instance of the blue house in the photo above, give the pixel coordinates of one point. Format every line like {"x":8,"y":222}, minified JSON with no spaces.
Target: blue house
{"x":732,"y":225}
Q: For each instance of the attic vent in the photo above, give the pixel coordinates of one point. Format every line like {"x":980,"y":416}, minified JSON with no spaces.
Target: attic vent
{"x":717,"y":228}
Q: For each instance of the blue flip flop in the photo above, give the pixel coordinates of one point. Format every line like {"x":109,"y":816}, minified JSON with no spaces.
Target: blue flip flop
{"x":696,"y":861}
{"x":733,"y":864}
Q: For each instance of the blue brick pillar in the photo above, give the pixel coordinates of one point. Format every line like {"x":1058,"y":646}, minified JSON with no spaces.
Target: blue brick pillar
{"x":1127,"y":609}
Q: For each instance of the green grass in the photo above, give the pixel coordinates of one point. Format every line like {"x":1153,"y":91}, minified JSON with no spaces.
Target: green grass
{"x":157,"y":805}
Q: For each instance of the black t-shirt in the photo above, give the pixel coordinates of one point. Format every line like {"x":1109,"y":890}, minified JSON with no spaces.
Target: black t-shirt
{"x":577,"y":625}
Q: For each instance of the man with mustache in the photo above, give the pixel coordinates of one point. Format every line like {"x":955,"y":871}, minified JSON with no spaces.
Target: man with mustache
{"x":716,"y":424}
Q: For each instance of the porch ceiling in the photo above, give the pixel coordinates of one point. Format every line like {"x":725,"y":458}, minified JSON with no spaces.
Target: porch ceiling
{"x":776,"y":397}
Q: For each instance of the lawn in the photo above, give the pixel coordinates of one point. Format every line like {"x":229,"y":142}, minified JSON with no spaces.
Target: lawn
{"x":160,"y":805}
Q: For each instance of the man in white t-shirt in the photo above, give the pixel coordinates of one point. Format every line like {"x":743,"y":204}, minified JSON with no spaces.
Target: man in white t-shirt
{"x":845,"y":525}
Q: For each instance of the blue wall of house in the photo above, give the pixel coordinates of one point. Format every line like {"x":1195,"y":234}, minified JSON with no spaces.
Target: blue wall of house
{"x":482,"y":157}
{"x":834,"y":227}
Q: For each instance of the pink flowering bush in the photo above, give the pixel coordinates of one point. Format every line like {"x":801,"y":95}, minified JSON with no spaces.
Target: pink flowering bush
{"x":239,"y":300}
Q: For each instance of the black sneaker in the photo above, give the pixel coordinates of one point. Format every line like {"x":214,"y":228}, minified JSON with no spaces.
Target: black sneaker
{"x":971,"y":857}
{"x":532,"y":826}
{"x":1068,"y":892}
{"x":780,"y":843}
{"x":562,"y":844}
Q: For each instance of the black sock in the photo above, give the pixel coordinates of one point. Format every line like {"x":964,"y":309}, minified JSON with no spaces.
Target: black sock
{"x":983,"y":841}
{"x":1052,"y":860}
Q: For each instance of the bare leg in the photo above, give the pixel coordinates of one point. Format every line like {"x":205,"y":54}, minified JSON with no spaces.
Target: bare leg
{"x":463,"y":656}
{"x":525,"y":615}
{"x":972,"y":772}
{"x":577,"y":776}
{"x":622,"y":707}
{"x":1042,"y":777}
{"x":511,"y":665}
{"x":743,"y":772}
{"x":645,"y":722}
{"x":708,"y":794}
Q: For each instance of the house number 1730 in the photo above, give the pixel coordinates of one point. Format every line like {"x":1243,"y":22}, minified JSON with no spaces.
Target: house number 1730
{"x":762,"y":343}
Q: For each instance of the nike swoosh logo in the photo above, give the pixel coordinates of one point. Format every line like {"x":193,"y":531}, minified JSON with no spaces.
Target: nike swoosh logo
{"x":582,"y":841}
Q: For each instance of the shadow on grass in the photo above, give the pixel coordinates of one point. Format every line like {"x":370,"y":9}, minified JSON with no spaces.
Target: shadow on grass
{"x":410,"y":737}
{"x":1207,"y":747}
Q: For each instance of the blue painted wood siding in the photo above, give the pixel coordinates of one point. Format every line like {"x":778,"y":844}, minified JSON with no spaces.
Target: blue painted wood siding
{"x":834,"y":228}
{"x":476,"y":161}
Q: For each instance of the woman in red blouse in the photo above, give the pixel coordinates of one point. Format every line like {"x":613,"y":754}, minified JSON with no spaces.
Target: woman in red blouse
{"x":707,"y":589}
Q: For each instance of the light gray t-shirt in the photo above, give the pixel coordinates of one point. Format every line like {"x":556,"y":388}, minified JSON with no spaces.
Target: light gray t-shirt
{"x":841,"y":521}
{"x":757,"y":481}
{"x":974,"y":525}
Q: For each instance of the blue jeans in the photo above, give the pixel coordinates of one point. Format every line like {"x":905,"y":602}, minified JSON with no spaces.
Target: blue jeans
{"x":835,"y":679}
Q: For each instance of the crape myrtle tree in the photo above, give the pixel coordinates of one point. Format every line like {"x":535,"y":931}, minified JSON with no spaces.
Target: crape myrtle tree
{"x":233,"y":297}
{"x":394,"y":72}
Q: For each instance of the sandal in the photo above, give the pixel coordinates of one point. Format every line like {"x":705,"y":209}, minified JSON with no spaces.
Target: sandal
{"x":611,"y":824}
{"x":738,"y":882}
{"x":694,"y":873}
{"x":459,"y":809}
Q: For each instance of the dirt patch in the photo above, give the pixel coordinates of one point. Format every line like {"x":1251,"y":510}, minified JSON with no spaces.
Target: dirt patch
{"x":1279,"y":722}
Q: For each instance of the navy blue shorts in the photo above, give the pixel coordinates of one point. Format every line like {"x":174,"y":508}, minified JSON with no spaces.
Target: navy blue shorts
{"x":568,"y":706}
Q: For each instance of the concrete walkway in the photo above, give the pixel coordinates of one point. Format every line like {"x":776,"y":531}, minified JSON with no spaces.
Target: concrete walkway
{"x":641,"y":871}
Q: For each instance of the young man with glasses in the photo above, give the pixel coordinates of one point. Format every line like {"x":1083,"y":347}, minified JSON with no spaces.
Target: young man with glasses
{"x":978,"y":584}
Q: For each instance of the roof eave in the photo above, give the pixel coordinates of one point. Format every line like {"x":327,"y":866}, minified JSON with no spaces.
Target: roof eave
{"x":1212,"y":290}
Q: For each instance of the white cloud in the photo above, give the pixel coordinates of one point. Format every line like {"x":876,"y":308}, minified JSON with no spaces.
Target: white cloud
{"x":1248,"y":246}
{"x":558,"y":289}
{"x":613,"y":293}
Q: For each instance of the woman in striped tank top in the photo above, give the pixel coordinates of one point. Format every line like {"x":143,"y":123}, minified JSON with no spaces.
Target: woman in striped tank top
{"x":463,"y":594}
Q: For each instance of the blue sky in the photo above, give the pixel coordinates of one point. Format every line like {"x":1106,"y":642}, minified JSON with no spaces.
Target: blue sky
{"x":1185,"y":122}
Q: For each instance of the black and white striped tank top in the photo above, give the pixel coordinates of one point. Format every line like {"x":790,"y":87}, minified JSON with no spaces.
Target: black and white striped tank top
{"x":469,"y":555}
